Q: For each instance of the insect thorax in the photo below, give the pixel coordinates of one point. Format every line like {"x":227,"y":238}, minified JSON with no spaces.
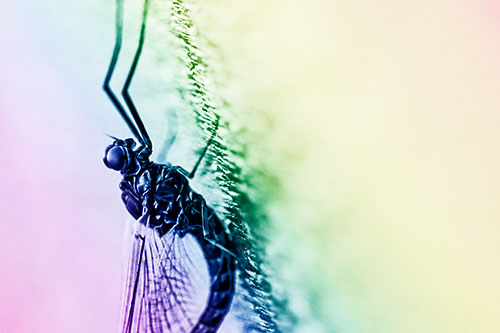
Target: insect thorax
{"x":162,"y":192}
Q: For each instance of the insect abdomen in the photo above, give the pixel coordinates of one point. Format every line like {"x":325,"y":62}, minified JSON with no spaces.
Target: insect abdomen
{"x":221,"y":266}
{"x":223,"y":278}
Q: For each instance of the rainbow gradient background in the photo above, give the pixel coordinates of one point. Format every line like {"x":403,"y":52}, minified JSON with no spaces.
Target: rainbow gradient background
{"x":382,"y":126}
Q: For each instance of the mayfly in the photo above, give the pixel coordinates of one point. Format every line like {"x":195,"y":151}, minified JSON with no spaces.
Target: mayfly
{"x":178,"y":242}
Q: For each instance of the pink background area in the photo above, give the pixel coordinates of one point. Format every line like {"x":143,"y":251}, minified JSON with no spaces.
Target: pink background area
{"x":62,"y":221}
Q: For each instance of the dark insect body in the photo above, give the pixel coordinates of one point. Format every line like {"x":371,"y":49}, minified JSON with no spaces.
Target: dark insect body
{"x":159,"y":197}
{"x":175,"y":234}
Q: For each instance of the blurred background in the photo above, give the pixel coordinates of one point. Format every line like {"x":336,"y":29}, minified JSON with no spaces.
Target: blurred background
{"x":378,"y":121}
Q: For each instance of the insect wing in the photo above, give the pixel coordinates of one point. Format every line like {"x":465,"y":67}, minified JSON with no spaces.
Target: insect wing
{"x":166,"y":281}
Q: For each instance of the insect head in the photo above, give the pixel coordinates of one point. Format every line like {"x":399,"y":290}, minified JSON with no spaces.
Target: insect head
{"x":120,"y":156}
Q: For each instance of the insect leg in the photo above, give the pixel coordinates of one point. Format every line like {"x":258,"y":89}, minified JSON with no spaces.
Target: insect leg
{"x":128,"y":81}
{"x":111,"y":68}
{"x":217,"y":238}
{"x":171,"y":136}
{"x":136,"y":283}
{"x":209,"y":142}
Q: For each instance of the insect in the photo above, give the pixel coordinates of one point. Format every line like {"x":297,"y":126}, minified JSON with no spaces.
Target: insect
{"x":178,"y":242}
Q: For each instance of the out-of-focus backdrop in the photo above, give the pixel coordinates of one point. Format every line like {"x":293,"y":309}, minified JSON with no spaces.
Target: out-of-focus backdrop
{"x":379,"y":119}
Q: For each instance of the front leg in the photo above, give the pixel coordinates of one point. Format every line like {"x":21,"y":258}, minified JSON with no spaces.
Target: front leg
{"x":143,"y":152}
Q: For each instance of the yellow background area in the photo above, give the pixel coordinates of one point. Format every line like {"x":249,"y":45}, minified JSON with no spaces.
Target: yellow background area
{"x":384,"y":132}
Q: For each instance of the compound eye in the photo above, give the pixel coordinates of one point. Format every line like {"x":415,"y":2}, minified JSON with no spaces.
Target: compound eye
{"x":116,"y":158}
